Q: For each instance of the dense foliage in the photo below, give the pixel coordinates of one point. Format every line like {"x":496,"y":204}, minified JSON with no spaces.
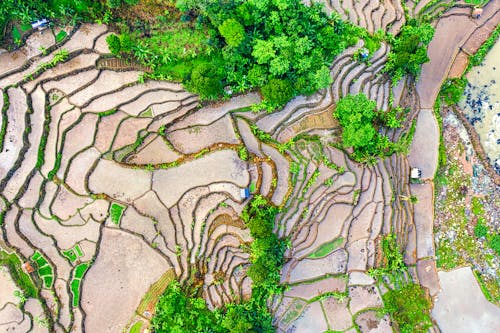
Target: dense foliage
{"x":409,"y":50}
{"x":452,"y":90}
{"x":181,"y":310}
{"x":360,"y":120}
{"x":409,"y":308}
{"x":281,"y":46}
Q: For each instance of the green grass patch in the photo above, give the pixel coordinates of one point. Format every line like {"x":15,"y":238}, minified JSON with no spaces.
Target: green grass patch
{"x":326,"y":248}
{"x":116,"y":212}
{"x":44,"y":269}
{"x":60,"y":36}
{"x":74,"y":253}
{"x":136,"y":328}
{"x":477,"y":206}
{"x":25,"y":27}
{"x":21,"y":279}
{"x":78,"y":274}
{"x":78,"y":250}
{"x":447,"y":257}
{"x":409,"y":308}
{"x":80,"y":270}
{"x":47,"y":281}
{"x":75,"y":289}
{"x":16,"y":35}
{"x":107,"y":113}
{"x":5,"y":107}
{"x":70,"y":254}
{"x":478,"y":3}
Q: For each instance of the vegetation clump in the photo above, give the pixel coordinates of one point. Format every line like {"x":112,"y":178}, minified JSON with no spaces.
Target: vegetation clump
{"x":407,"y":303}
{"x":360,"y":121}
{"x":409,"y":50}
{"x":282,"y":47}
{"x":453,"y":90}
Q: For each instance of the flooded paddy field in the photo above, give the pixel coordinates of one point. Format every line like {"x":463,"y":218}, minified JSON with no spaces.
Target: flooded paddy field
{"x":481,"y":104}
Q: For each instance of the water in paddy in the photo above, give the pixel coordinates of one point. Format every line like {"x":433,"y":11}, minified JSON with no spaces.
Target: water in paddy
{"x":481,"y":104}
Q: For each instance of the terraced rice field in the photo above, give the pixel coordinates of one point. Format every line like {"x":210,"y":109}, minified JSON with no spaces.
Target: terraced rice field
{"x":112,"y":186}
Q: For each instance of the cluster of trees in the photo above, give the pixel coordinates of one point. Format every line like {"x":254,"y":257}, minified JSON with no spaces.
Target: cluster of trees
{"x":409,"y":50}
{"x":181,"y":310}
{"x":360,"y":121}
{"x":281,"y":47}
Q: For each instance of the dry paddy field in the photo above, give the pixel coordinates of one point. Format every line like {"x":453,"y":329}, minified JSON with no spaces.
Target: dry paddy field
{"x":111,"y":188}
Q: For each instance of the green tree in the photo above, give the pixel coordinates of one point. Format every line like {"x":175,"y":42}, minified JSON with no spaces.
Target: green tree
{"x":263,"y":51}
{"x":409,"y":50}
{"x":277,"y":92}
{"x":232,"y":31}
{"x":357,"y":115}
{"x":206,"y":81}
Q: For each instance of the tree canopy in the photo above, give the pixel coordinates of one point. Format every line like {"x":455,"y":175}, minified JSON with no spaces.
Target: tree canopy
{"x":360,"y":120}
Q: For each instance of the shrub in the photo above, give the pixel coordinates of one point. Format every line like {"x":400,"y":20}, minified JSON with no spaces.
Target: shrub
{"x":453,"y":90}
{"x":277,"y":92}
{"x":177,"y":312}
{"x":409,"y":51}
{"x":480,"y":230}
{"x":114,"y":3}
{"x":114,"y":44}
{"x":206,"y":81}
{"x":232,"y":31}
{"x":409,"y":308}
{"x":495,"y":243}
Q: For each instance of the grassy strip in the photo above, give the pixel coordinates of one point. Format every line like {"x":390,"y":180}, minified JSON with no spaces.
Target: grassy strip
{"x":3,"y":130}
{"x":40,"y":160}
{"x":57,"y":165}
{"x":116,"y":212}
{"x":326,"y":248}
{"x":478,"y":57}
{"x":22,"y":280}
{"x":136,"y":328}
{"x":150,"y":299}
{"x":78,"y":274}
{"x":61,"y":35}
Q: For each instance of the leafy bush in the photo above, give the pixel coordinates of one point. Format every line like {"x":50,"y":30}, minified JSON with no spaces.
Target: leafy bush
{"x":409,"y":308}
{"x":206,"y":80}
{"x":114,"y":3}
{"x":480,"y":230}
{"x":495,"y":243}
{"x":453,"y":90}
{"x":277,"y":92}
{"x":179,"y":313}
{"x":232,"y":31}
{"x":358,"y":115}
{"x":114,"y":44}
